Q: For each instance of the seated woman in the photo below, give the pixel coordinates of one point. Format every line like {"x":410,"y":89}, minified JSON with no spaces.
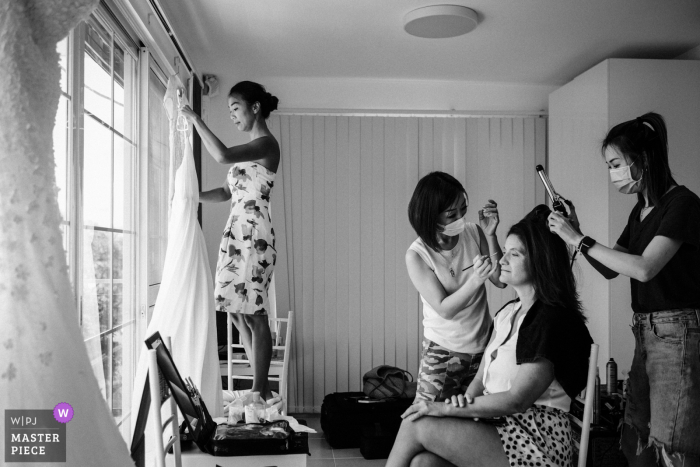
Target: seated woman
{"x":534,"y":365}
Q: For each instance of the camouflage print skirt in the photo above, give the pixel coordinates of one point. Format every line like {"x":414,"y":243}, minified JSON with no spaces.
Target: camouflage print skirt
{"x":444,"y":373}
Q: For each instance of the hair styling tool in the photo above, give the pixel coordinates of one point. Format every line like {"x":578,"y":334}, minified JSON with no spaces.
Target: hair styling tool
{"x":557,"y":203}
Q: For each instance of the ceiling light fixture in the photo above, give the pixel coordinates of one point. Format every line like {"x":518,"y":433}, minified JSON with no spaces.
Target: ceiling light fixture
{"x":440,"y":21}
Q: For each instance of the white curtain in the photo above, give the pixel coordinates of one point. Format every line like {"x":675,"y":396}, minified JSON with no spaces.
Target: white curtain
{"x":340,"y":216}
{"x":184,"y":308}
{"x":43,"y":360}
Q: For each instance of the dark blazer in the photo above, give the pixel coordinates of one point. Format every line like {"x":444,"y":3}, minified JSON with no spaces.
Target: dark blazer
{"x":559,"y":336}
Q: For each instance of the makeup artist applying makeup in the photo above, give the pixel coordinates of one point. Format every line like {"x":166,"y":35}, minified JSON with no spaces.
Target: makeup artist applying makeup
{"x":659,"y":250}
{"x":448,"y":264}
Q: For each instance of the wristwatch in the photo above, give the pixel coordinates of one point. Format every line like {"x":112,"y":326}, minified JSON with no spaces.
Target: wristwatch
{"x":585,"y":243}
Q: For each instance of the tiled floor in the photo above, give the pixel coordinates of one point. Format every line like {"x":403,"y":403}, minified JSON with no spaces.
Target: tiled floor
{"x":323,"y":455}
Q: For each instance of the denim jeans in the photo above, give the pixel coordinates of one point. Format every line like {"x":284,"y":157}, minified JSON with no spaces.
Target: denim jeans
{"x":663,"y":390}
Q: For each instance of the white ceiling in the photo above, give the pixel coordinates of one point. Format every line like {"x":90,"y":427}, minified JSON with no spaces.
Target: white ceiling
{"x":546,"y":42}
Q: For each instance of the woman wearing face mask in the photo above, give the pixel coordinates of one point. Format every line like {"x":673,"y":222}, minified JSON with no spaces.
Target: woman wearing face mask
{"x":659,"y":250}
{"x":535,"y":363}
{"x":455,"y":312}
{"x":247,"y":253}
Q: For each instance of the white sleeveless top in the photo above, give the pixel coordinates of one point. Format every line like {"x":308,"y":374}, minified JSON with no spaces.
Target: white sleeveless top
{"x":500,"y":367}
{"x":467,"y":331}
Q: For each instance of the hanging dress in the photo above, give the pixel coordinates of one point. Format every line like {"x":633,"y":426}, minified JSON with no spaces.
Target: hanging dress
{"x":184,"y":306}
{"x":247,"y":254}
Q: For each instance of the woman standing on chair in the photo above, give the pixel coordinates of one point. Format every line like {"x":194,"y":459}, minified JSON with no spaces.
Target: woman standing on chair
{"x":247,"y":254}
{"x":455,"y":311}
{"x":659,"y":251}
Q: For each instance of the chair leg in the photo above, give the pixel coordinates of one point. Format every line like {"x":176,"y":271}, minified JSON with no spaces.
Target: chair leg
{"x":229,"y":351}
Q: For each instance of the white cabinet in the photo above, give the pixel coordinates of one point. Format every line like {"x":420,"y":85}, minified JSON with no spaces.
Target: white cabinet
{"x":580,"y":114}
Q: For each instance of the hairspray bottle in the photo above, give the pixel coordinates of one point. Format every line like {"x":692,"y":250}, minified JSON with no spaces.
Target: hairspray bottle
{"x":611,"y":377}
{"x":596,"y":398}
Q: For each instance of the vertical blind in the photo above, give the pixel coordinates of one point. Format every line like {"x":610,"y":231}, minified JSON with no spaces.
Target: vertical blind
{"x":341,"y":224}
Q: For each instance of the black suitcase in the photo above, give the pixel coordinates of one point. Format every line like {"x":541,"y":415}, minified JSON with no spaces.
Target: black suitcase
{"x":345,"y":414}
{"x":376,"y":442}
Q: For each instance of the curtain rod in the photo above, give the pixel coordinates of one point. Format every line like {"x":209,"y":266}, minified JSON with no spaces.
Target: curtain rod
{"x":408,"y":113}
{"x":164,"y":22}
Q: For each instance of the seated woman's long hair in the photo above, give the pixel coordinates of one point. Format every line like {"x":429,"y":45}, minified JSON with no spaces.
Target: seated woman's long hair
{"x":548,"y":261}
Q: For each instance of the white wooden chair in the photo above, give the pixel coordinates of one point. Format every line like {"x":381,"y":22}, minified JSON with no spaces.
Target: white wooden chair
{"x":160,"y":426}
{"x":238,"y":368}
{"x":585,"y":424}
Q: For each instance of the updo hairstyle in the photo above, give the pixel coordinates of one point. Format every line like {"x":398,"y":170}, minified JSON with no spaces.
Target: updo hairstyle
{"x":252,"y":92}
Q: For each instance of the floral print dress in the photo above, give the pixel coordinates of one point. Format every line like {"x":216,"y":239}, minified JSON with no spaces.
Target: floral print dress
{"x":247,"y":254}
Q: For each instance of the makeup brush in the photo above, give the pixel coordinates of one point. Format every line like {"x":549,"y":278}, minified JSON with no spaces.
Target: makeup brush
{"x":493,"y":254}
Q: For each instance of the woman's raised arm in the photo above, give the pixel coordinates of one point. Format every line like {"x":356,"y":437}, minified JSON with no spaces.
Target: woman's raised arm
{"x":265,"y":150}
{"x":430,"y":288}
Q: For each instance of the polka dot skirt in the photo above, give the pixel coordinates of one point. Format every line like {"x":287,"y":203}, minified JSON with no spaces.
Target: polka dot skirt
{"x":541,"y":436}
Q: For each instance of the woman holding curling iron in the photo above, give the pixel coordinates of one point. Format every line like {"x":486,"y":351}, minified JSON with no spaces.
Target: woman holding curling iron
{"x":659,"y":250}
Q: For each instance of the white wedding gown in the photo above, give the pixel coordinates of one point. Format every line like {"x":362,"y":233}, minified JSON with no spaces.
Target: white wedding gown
{"x":43,"y":360}
{"x":184,"y":308}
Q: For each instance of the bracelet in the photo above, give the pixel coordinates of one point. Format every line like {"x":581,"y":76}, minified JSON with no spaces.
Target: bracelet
{"x":585,"y":243}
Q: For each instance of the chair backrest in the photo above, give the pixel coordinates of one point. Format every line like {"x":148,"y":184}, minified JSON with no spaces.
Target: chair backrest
{"x":159,"y":426}
{"x":280,"y":370}
{"x":588,"y":406}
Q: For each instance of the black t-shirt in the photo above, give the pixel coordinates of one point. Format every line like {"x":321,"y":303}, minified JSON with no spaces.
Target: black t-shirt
{"x":677,"y":285}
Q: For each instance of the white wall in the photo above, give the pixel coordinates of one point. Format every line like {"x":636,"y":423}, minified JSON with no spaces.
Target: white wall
{"x":577,"y":124}
{"x":692,"y":54}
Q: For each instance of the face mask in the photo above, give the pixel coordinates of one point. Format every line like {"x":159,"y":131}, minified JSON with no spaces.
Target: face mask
{"x":622,"y":179}
{"x":454,"y":228}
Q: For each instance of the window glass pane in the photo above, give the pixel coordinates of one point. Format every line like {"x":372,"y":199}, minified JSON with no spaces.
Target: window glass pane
{"x":98,"y":71}
{"x":123,"y":184}
{"x":122,"y":368}
{"x":97,"y":174}
{"x":118,"y":88}
{"x":60,"y":150}
{"x":62,"y":48}
{"x":158,"y":178}
{"x":106,"y":344}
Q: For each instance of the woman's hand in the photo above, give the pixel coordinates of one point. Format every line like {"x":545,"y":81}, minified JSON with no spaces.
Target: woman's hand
{"x":423,"y":409}
{"x":561,"y":226}
{"x":461,"y":401}
{"x":483,"y":267}
{"x":488,"y":218}
{"x":573,"y":217}
{"x":187,"y":112}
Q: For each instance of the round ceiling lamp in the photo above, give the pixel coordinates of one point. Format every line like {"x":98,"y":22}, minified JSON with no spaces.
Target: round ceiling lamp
{"x":440,"y":21}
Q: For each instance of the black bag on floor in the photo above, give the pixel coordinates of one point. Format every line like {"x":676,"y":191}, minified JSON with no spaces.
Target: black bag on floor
{"x":376,"y":442}
{"x":345,"y":414}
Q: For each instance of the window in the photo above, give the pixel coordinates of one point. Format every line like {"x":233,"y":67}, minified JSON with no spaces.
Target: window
{"x":96,"y":170}
{"x":158,"y":183}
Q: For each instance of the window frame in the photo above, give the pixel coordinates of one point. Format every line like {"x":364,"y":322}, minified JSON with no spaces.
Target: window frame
{"x":75,"y":198}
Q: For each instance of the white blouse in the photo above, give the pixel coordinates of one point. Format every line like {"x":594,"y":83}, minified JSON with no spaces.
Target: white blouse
{"x":468,"y":330}
{"x":500,"y":367}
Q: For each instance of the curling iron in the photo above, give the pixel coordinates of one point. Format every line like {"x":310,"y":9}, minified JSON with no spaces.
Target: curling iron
{"x":557,"y":203}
